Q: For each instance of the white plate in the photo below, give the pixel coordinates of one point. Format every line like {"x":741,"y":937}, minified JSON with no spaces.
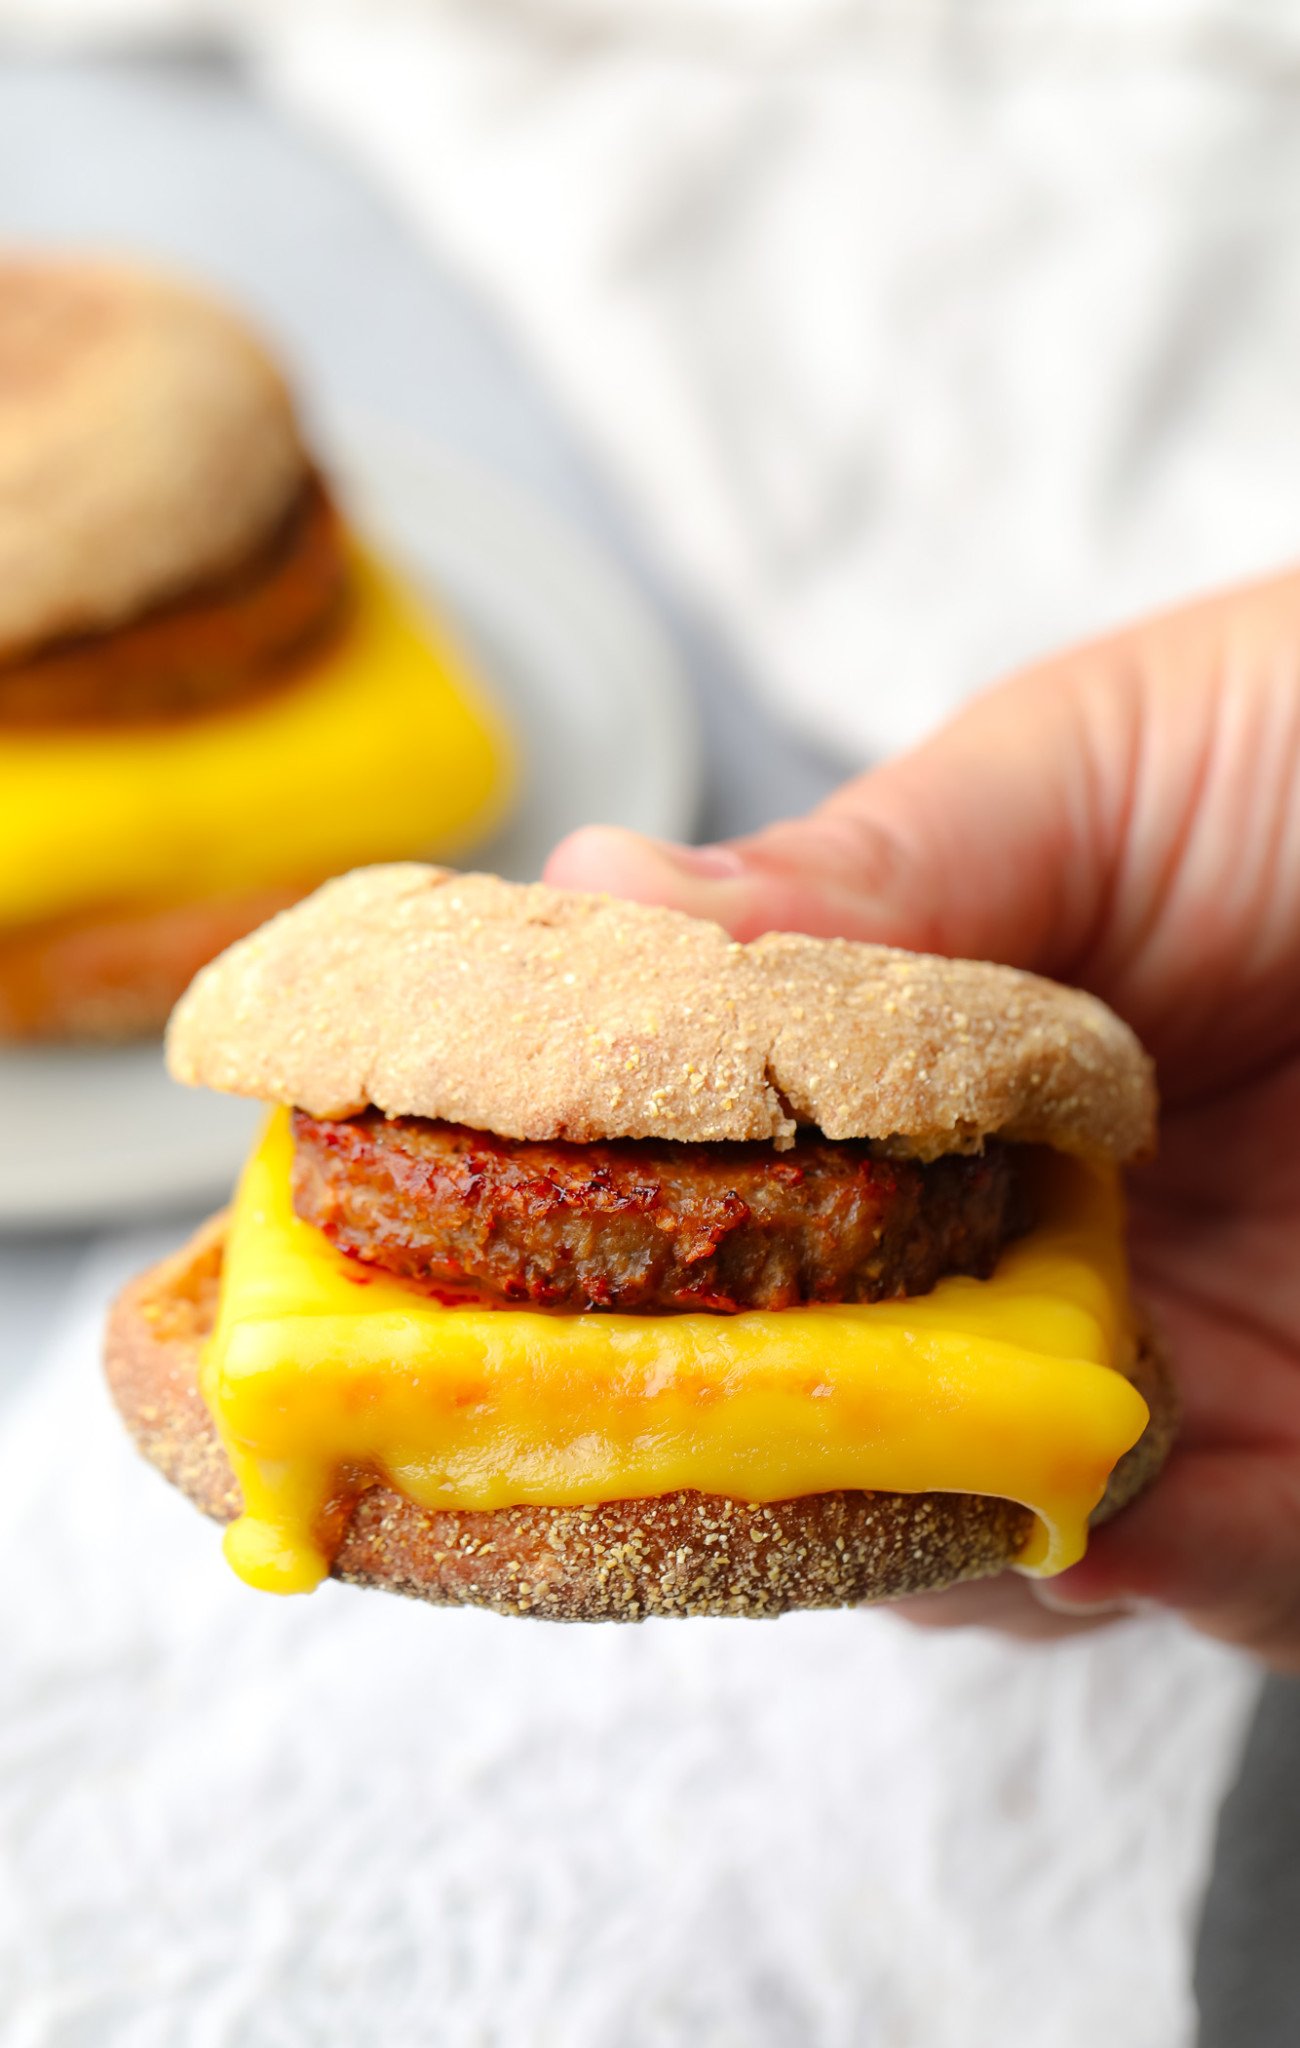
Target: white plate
{"x":603,"y":718}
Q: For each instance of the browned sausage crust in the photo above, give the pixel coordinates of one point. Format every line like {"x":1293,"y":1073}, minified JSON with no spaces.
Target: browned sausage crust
{"x":683,"y":1553}
{"x":647,"y":1225}
{"x":220,"y":641}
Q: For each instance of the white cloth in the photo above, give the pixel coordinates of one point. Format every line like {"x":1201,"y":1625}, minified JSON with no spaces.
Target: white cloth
{"x":229,"y":1819}
{"x":922,"y":334}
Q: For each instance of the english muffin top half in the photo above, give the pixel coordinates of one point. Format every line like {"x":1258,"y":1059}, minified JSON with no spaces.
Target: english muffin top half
{"x":148,"y":446}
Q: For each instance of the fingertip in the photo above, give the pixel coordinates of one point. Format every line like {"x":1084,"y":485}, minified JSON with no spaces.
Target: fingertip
{"x":806,"y":875}
{"x":587,"y":858}
{"x":1003,"y":1604}
{"x":613,"y":861}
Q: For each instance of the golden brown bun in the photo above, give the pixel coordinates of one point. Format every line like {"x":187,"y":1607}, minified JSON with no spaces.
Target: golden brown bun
{"x":115,"y":974}
{"x":147,"y":443}
{"x":684,"y":1553}
{"x":542,"y":1013}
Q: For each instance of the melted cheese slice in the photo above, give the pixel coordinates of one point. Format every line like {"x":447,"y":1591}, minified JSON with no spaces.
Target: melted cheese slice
{"x":1006,"y":1386}
{"x":383,"y":746}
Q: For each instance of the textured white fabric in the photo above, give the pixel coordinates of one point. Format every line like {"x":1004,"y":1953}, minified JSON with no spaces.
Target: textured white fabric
{"x":923,"y":337}
{"x":227,"y":1819}
{"x":922,"y":334}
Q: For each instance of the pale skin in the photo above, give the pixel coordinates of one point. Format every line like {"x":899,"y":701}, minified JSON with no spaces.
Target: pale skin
{"x":1125,"y":817}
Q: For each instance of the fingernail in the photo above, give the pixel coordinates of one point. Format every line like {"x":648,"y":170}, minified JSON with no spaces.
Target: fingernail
{"x":716,"y":863}
{"x":1060,"y":1603}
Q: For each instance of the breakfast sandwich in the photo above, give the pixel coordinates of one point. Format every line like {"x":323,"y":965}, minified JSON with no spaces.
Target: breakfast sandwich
{"x":212,"y":696}
{"x":593,"y":1265}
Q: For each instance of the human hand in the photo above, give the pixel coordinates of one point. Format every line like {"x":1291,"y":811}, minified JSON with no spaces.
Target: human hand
{"x":1126,"y":818}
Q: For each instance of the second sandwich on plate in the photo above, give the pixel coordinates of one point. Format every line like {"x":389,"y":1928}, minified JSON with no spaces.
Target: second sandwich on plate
{"x":212,"y":694}
{"x":593,"y":1265}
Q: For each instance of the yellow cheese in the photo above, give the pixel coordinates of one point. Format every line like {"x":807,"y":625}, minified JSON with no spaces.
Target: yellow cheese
{"x":383,"y":746}
{"x":1006,"y":1386}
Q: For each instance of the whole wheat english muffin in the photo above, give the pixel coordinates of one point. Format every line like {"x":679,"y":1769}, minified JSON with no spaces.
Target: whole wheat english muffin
{"x":542,"y":1013}
{"x":211,"y":696}
{"x":196,"y":455}
{"x":608,"y":1267}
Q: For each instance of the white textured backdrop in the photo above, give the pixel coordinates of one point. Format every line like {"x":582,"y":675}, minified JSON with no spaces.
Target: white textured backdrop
{"x":922,"y":337}
{"x":922,"y":333}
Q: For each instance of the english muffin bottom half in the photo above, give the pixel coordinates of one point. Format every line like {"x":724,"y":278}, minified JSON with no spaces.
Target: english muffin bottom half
{"x":592,"y":1265}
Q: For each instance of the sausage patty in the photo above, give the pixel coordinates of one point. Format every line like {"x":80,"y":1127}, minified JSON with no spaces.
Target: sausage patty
{"x":646,"y":1225}
{"x":226,"y":639}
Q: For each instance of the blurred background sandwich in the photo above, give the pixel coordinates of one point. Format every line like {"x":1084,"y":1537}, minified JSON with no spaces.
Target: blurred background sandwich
{"x":211,"y":696}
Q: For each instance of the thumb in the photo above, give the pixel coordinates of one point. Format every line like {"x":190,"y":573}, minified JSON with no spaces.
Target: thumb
{"x":988,"y":840}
